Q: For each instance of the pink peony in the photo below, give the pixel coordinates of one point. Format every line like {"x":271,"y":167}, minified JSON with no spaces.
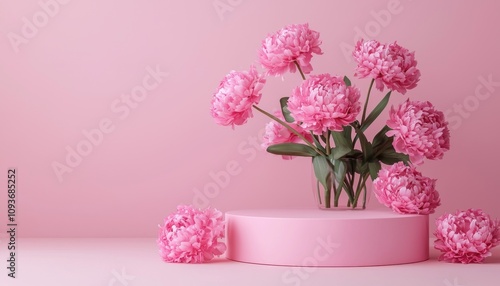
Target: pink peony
{"x":405,"y":190}
{"x":324,"y":102}
{"x":276,"y":133}
{"x":292,"y":43}
{"x":371,"y":59}
{"x":467,"y":236}
{"x":237,"y":92}
{"x":419,"y":130}
{"x":390,"y":65}
{"x":191,"y":235}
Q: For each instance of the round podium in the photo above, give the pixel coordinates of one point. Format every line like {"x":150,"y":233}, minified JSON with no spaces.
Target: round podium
{"x":313,"y":237}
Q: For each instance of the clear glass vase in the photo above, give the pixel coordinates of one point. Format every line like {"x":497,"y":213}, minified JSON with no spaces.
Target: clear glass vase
{"x":354,"y":194}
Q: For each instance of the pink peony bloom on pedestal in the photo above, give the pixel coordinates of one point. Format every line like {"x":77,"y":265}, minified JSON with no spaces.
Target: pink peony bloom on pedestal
{"x":389,"y":65}
{"x":405,"y":190}
{"x":276,"y":133}
{"x":292,"y":43}
{"x":467,"y":236}
{"x":419,"y":130}
{"x":324,"y":102}
{"x":237,"y":92}
{"x":191,"y":235}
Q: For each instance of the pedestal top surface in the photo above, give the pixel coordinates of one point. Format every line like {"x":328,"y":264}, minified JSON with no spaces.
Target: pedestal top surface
{"x":298,"y":213}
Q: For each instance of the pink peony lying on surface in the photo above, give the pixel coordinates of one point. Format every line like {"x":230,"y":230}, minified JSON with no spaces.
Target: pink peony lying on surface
{"x":293,"y":43}
{"x":276,"y":133}
{"x":324,"y":102}
{"x":405,"y":190}
{"x":191,"y":235}
{"x":419,"y":130}
{"x":466,"y":236}
{"x":389,"y":65}
{"x":237,"y":92}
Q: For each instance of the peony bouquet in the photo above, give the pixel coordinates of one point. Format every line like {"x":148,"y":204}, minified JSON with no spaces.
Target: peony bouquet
{"x":324,"y":119}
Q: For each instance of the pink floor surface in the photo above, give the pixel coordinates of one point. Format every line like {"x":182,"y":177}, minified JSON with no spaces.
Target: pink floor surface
{"x":135,"y":262}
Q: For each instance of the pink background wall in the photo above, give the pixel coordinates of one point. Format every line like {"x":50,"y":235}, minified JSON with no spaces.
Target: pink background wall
{"x":72,"y":71}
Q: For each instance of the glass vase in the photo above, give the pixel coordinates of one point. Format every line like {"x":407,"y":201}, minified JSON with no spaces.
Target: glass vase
{"x":353,"y":194}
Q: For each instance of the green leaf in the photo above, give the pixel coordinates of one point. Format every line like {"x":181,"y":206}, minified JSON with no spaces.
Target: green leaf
{"x":340,"y":174}
{"x":338,"y":153}
{"x":342,"y":145}
{"x":292,"y":149}
{"x":382,"y":142}
{"x":317,"y":143}
{"x":335,"y":163}
{"x":354,"y":154}
{"x":350,"y":165}
{"x":340,"y":171}
{"x":347,"y":134}
{"x":365,"y":145}
{"x":284,"y":110}
{"x":376,"y":111}
{"x":361,"y":167}
{"x":374,"y":167}
{"x":322,"y":171}
{"x":380,"y":138}
{"x":347,"y":81}
{"x":389,"y":156}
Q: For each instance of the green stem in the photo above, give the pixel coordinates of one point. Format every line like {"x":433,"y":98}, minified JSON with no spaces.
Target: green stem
{"x":349,"y":180}
{"x":351,"y":184}
{"x":364,"y":197}
{"x":336,"y":198}
{"x":289,"y":128}
{"x":360,"y":187}
{"x":319,"y":194}
{"x":342,"y":185}
{"x":356,"y":134}
{"x":335,"y":189}
{"x":328,"y":133}
{"x":300,"y":70}
{"x":345,"y":186}
{"x":366,"y":102}
{"x":328,"y":194}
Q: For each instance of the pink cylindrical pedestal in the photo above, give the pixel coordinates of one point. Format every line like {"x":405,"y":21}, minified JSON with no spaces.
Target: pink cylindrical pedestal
{"x":310,"y":237}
